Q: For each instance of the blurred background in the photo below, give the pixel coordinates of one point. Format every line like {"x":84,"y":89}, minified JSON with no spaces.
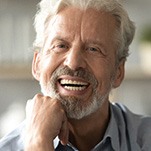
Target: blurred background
{"x":17,"y":84}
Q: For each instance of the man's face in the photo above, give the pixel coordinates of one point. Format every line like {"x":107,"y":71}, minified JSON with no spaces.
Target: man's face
{"x":77,"y":63}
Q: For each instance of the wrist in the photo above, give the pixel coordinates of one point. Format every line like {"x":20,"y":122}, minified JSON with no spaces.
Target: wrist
{"x":38,"y":144}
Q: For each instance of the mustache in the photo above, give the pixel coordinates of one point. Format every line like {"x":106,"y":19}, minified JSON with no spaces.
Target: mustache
{"x":80,"y":72}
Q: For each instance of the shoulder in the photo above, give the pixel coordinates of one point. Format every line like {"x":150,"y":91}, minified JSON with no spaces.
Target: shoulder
{"x":122,"y":112}
{"x":14,"y":140}
{"x":138,"y":127}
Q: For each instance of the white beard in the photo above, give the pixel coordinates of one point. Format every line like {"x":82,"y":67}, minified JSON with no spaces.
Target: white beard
{"x":73,"y":106}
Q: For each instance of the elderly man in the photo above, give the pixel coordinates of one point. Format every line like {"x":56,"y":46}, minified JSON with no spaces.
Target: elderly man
{"x":83,"y":45}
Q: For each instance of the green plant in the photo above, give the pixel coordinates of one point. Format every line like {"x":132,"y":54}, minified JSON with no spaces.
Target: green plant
{"x":146,"y":34}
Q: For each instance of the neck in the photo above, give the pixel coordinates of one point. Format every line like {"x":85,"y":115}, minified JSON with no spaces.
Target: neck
{"x":86,"y":133}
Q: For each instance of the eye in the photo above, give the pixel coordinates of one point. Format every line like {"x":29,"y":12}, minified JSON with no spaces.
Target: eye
{"x":60,"y":47}
{"x":96,"y":50}
{"x":92,"y":49}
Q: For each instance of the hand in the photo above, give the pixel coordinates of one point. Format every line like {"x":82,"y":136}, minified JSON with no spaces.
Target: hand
{"x":45,"y":119}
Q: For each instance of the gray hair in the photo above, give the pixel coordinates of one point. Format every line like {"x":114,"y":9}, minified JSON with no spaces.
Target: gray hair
{"x":124,"y":33}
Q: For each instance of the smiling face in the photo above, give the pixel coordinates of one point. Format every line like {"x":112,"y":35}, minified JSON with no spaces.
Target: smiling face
{"x":77,"y":63}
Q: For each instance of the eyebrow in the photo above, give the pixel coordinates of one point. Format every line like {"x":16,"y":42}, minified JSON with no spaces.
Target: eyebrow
{"x":92,"y":41}
{"x":95,"y":42}
{"x":66,"y":39}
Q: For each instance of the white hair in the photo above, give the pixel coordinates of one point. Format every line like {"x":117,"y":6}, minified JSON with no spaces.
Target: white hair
{"x":124,"y":32}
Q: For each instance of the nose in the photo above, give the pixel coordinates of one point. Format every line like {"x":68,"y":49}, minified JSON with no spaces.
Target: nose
{"x":75,"y":59}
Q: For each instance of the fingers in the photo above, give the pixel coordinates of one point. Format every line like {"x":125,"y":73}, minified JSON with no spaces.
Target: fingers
{"x":46,"y":119}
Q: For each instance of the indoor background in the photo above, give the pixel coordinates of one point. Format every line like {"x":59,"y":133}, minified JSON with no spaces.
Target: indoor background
{"x":17,"y":84}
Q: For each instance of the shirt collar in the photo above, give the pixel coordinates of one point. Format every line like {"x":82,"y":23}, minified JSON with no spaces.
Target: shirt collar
{"x":56,"y":143}
{"x":112,"y":131}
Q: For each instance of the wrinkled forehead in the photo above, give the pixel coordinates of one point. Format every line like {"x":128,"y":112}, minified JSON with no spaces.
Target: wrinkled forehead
{"x":90,"y":22}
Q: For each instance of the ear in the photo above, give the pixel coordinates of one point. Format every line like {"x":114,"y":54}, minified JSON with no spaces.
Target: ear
{"x":36,"y":65}
{"x":119,"y":75}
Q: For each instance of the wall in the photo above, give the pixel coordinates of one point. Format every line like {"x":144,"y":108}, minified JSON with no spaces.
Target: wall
{"x":16,"y":38}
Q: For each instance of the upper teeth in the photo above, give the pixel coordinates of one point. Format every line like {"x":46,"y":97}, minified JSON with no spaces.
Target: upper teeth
{"x":63,"y":81}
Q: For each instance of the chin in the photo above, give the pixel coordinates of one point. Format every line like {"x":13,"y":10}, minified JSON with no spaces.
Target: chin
{"x":75,"y":107}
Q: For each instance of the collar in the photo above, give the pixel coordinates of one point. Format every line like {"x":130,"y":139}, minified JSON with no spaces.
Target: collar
{"x":112,"y":130}
{"x":111,"y":135}
{"x":57,"y":142}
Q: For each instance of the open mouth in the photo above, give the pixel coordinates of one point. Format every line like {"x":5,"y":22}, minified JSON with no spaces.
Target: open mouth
{"x":73,"y":85}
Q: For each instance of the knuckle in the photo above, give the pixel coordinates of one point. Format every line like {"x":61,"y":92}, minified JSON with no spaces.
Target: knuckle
{"x":56,"y":103}
{"x":47,"y":98}
{"x":58,"y":107}
{"x":37,"y":96}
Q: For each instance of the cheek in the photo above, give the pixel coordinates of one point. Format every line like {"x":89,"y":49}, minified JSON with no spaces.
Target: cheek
{"x":48,"y":60}
{"x":104,"y":83}
{"x":104,"y":77}
{"x":49,"y":64}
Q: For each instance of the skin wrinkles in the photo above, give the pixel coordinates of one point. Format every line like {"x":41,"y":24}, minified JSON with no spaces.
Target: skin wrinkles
{"x":74,"y":39}
{"x":70,"y":51}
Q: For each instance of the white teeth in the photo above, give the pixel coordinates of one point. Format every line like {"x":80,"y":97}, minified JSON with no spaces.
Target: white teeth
{"x":74,"y":88}
{"x":73,"y":82}
{"x":73,"y":85}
